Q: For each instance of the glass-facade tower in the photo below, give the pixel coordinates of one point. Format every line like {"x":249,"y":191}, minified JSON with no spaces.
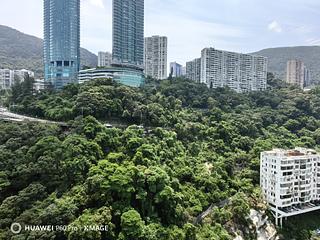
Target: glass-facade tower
{"x":128,"y":33}
{"x":61,"y":42}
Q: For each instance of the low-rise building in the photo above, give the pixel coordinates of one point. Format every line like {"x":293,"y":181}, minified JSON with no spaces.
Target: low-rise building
{"x":39,"y":85}
{"x":290,"y":181}
{"x":127,"y":76}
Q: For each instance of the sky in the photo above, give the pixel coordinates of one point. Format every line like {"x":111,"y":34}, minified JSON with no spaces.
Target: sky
{"x":190,"y":25}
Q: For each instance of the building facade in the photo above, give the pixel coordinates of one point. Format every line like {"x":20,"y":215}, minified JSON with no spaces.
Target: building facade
{"x":128,"y":33}
{"x":9,"y":77}
{"x":21,"y":74}
{"x":127,"y":76}
{"x":240,"y":72}
{"x":297,"y":74}
{"x":61,"y":42}
{"x":193,"y":70}
{"x":155,"y":57}
{"x":104,"y":59}
{"x":39,"y":85}
{"x":176,"y":69}
{"x":290,"y":181}
{"x":6,"y":79}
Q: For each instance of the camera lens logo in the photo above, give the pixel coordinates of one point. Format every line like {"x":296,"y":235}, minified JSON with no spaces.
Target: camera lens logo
{"x":16,"y":228}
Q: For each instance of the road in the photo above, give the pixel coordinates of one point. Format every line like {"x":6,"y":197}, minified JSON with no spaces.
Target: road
{"x":13,"y":117}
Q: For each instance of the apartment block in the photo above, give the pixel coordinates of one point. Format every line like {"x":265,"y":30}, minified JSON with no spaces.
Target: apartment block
{"x":297,"y":73}
{"x":104,"y":59}
{"x":176,"y":69}
{"x":240,"y":72}
{"x":9,"y":77}
{"x":155,"y":57}
{"x":193,"y":70}
{"x":6,"y":79}
{"x":290,"y":181}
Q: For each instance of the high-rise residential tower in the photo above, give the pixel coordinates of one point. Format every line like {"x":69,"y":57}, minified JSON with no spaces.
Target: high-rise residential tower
{"x":128,"y":33}
{"x":155,"y":57}
{"x":240,"y":72}
{"x":193,"y":70}
{"x":104,"y":59}
{"x":61,"y":41}
{"x":297,"y":73}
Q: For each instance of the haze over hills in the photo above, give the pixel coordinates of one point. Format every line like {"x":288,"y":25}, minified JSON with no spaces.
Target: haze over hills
{"x":19,"y":50}
{"x":278,"y":57}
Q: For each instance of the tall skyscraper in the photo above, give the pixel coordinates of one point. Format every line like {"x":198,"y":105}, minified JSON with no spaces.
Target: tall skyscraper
{"x":128,"y":33}
{"x":104,"y":59}
{"x":176,"y":69}
{"x":155,"y":57}
{"x":297,"y":73}
{"x":61,"y":41}
{"x":240,"y":72}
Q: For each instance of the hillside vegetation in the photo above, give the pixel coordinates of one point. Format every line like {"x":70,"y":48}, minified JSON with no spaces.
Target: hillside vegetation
{"x":19,"y":50}
{"x":199,"y":147}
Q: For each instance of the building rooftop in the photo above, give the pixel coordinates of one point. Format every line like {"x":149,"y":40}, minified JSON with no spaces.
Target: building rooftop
{"x":293,"y":152}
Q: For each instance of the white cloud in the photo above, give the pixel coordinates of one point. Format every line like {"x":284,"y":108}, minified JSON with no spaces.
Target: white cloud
{"x":274,"y":26}
{"x":313,"y":41}
{"x":97,"y":3}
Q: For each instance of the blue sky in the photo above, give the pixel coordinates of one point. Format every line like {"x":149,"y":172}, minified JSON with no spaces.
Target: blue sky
{"x":191,"y":25}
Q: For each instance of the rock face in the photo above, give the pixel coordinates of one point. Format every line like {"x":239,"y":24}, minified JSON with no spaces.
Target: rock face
{"x":19,"y":50}
{"x":265,"y":228}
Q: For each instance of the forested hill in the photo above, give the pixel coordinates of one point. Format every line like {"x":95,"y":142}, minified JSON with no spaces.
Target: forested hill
{"x":19,"y":50}
{"x":201,"y":148}
{"x":278,"y":58}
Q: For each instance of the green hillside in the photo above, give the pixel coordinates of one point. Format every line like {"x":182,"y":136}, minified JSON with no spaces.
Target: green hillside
{"x":278,"y":58}
{"x":198,"y":147}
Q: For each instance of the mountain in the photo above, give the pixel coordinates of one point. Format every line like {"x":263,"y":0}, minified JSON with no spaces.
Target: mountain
{"x":19,"y":50}
{"x":278,"y":58}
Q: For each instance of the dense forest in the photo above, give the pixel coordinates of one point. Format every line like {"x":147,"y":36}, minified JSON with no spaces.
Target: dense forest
{"x":176,"y":149}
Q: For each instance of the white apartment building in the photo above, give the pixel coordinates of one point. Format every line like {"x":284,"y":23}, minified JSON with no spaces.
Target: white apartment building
{"x":39,"y":85}
{"x":193,"y":70}
{"x":21,"y":74}
{"x":9,"y":77}
{"x":290,"y":181}
{"x":155,"y":57}
{"x":6,"y":79}
{"x":104,"y":59}
{"x":240,"y":72}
